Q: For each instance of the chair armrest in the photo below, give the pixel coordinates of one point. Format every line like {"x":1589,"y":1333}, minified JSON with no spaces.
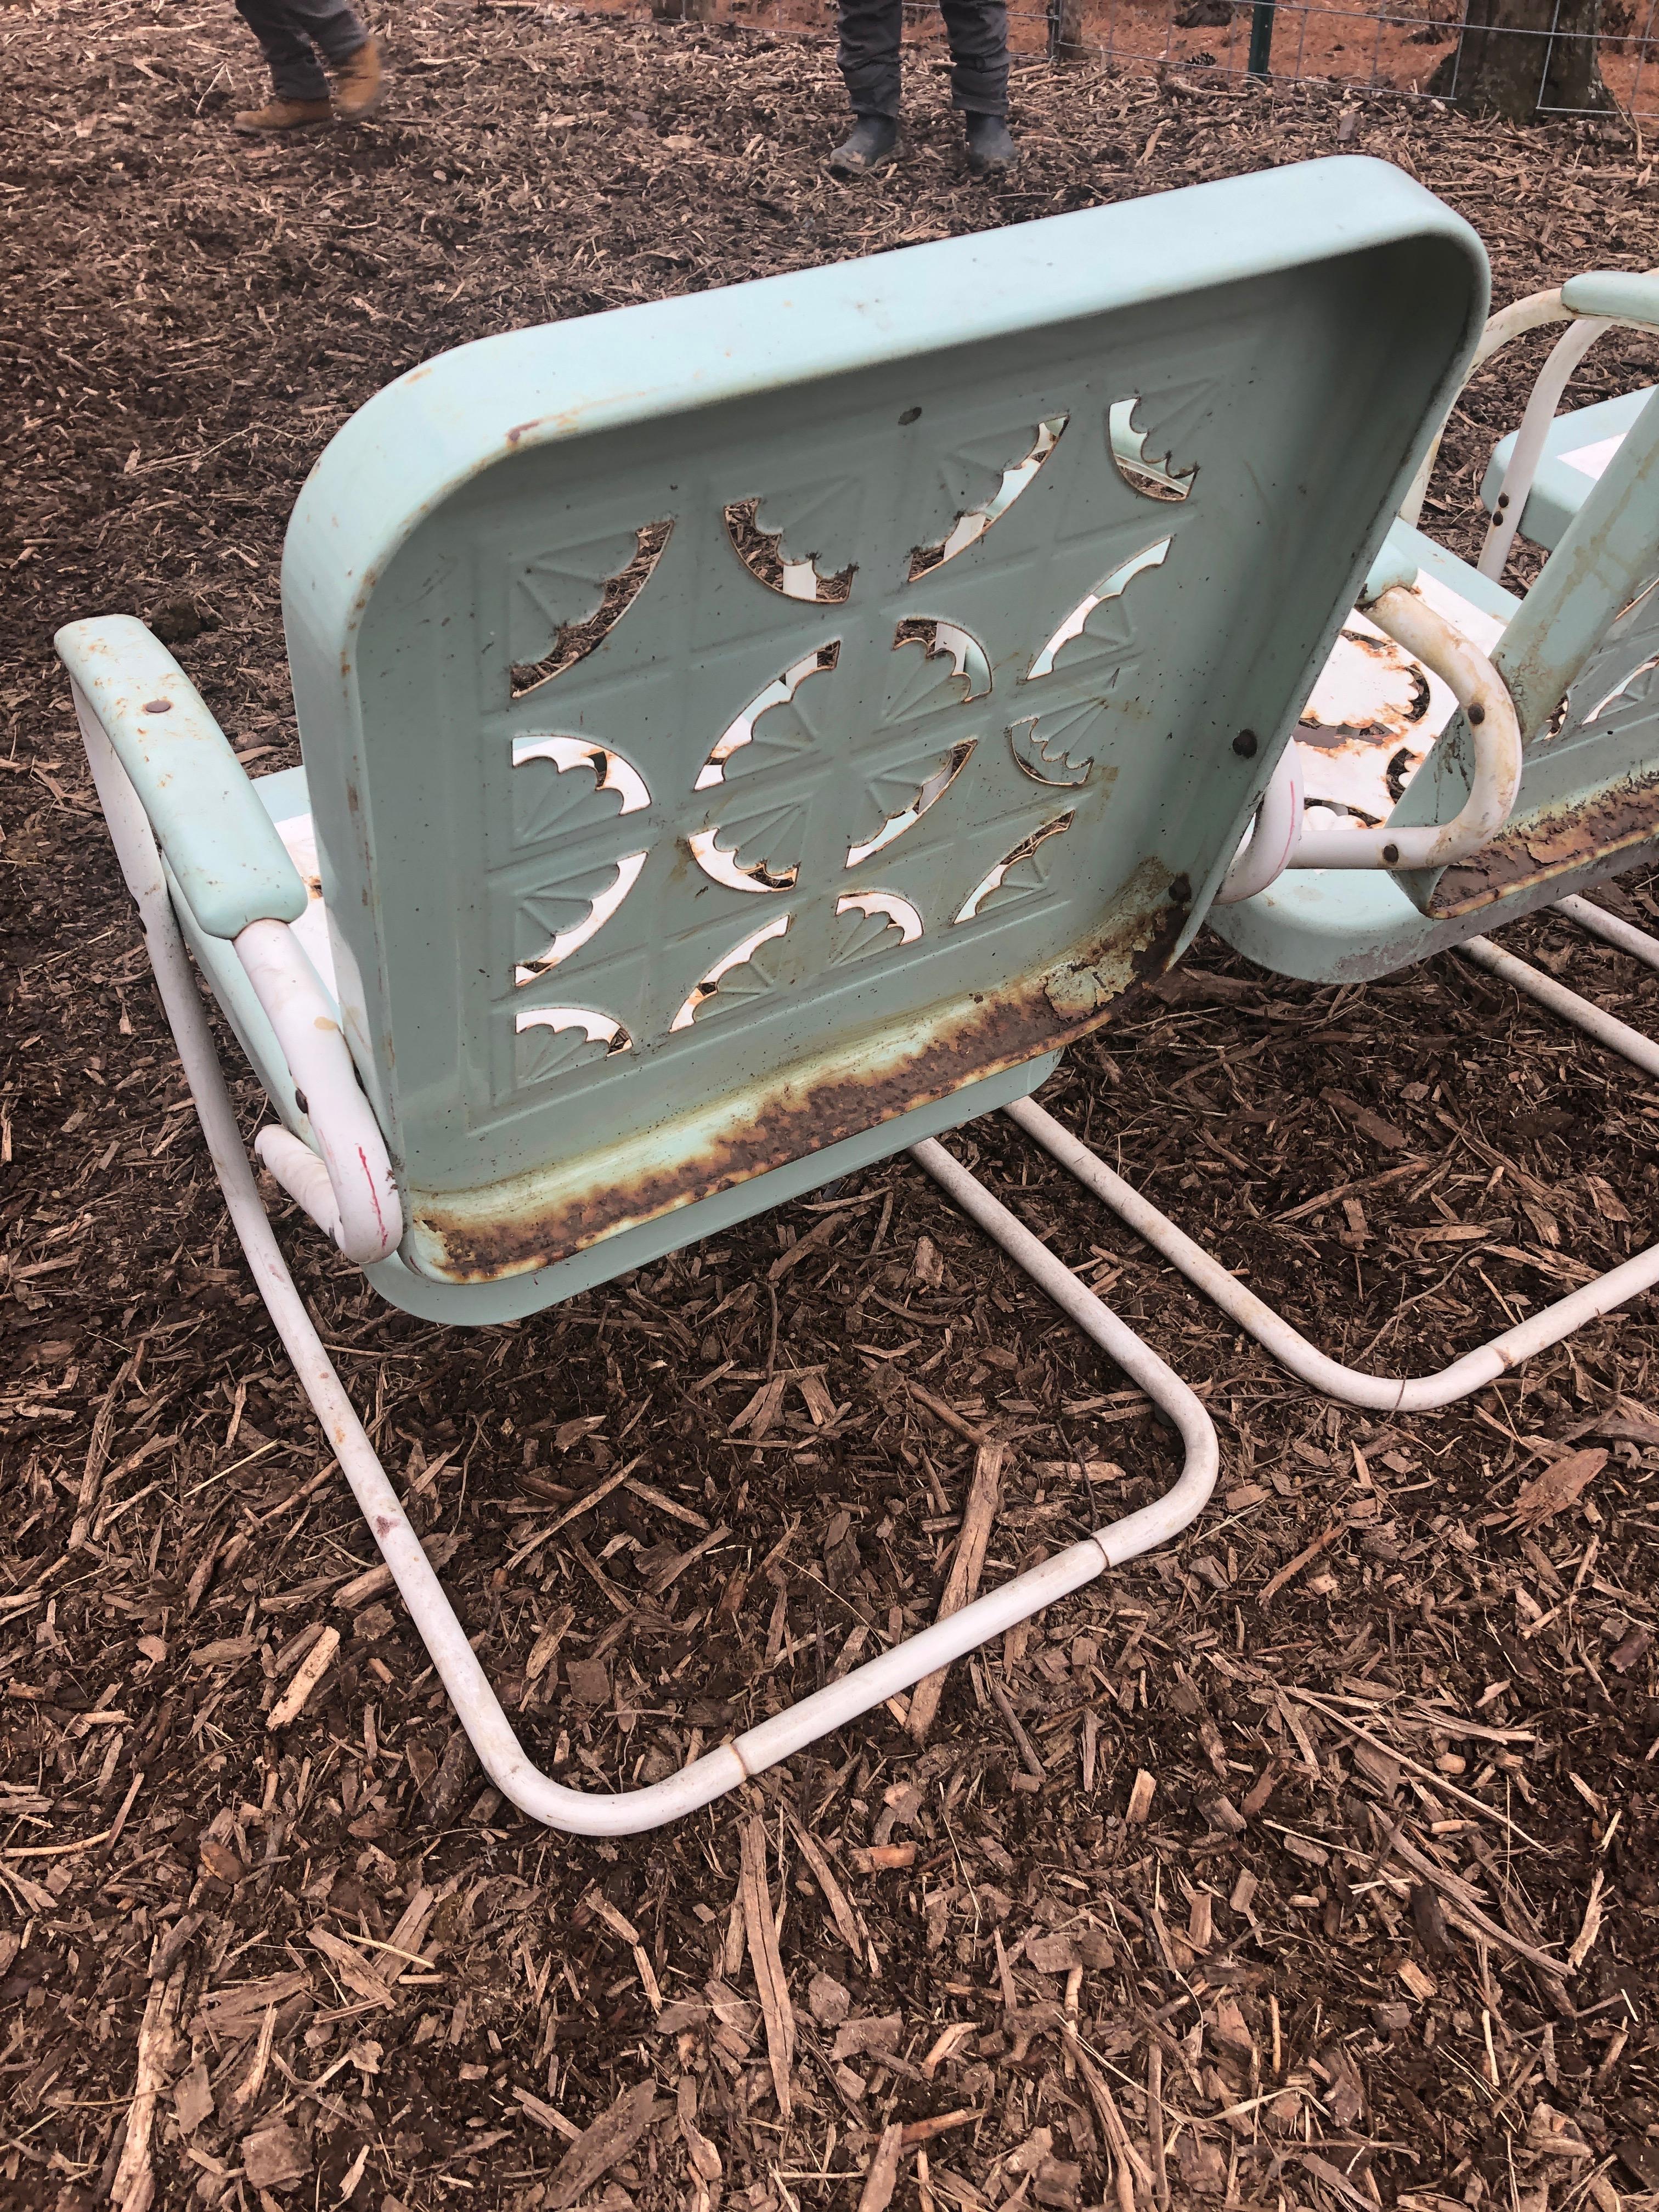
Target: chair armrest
{"x":1614,"y":295}
{"x":220,"y":842}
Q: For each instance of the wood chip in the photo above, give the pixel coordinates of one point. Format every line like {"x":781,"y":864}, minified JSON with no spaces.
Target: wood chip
{"x":309,"y":1672}
{"x":351,"y":1967}
{"x":978,"y":1514}
{"x":1561,"y":1484}
{"x":134,"y":2186}
{"x":597,"y":2149}
{"x":770,"y":1982}
{"x":881,"y":2176}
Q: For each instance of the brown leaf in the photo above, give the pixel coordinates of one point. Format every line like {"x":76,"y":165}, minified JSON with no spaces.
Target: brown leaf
{"x":611,"y":2136}
{"x":1557,"y":1487}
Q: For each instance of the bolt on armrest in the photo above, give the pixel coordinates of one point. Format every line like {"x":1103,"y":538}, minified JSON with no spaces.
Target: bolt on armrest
{"x":220,"y":843}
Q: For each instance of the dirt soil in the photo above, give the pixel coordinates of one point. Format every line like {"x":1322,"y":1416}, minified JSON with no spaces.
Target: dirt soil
{"x":1310,"y":1862}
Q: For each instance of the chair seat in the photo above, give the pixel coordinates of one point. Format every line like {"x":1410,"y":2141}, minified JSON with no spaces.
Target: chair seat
{"x":1578,"y":446}
{"x":1376,"y":711}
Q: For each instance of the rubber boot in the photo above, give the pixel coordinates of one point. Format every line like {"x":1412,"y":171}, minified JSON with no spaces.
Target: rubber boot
{"x":359,"y":84}
{"x":991,"y":149}
{"x":869,"y":145}
{"x":282,"y":115}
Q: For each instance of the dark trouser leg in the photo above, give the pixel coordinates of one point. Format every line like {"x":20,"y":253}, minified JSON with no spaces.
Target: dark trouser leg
{"x":291,"y":33}
{"x":978,"y":31}
{"x":869,"y":56}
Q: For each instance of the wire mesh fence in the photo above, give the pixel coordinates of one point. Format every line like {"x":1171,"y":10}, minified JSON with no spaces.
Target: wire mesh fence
{"x":1547,"y":58}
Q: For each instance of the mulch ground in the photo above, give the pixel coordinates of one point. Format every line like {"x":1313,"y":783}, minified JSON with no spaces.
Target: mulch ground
{"x":1317,"y":1863}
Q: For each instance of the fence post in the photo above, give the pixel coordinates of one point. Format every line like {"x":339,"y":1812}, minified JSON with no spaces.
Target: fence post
{"x":1064,"y":30}
{"x":1261,"y":38}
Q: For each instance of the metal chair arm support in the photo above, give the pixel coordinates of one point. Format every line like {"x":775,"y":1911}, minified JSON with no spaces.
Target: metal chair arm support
{"x":354,"y":1198}
{"x":1617,"y":295}
{"x":1544,"y":398}
{"x":1269,"y":847}
{"x":1535,"y":312}
{"x":1495,"y":729}
{"x":220,"y":842}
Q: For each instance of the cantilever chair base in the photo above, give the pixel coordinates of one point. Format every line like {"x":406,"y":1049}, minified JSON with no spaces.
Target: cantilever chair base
{"x":499,"y":1753}
{"x":1385,"y":1394}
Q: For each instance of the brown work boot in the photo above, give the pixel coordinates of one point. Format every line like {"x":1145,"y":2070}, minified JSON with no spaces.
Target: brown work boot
{"x":280,"y":115}
{"x":359,"y":84}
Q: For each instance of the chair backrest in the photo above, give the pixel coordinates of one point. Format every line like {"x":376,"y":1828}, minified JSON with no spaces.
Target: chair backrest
{"x":1581,"y":657}
{"x":733,"y":722}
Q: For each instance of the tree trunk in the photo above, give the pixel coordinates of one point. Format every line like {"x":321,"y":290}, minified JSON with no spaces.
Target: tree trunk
{"x":1523,"y":59}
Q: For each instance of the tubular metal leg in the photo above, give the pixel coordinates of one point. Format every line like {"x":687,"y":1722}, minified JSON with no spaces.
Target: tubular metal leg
{"x":1419,"y":1393}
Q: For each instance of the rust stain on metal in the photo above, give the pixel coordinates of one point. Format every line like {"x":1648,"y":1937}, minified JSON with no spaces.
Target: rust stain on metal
{"x":1554,"y":842}
{"x":803,"y":1115}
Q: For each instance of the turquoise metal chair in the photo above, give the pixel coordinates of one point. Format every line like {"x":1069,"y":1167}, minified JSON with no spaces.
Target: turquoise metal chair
{"x":751,"y":734}
{"x":1382,"y":743}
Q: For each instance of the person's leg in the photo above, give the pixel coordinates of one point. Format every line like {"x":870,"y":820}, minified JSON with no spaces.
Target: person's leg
{"x":296,"y":74}
{"x":869,"y":55}
{"x":332,"y":27}
{"x":978,"y":31}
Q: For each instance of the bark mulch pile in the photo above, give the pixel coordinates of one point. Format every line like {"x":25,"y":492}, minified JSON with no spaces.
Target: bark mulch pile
{"x":1310,"y":1863}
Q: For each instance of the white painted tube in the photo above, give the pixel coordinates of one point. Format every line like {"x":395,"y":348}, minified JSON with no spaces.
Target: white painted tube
{"x":1606,"y":1028}
{"x":1544,"y":398}
{"x":1421,"y":1394}
{"x":499,"y":1753}
{"x":1537,"y":310}
{"x":1608,"y":927}
{"x":1333,"y":841}
{"x":1265,"y":854}
{"x":1170,"y":1514}
{"x":360,"y":1208}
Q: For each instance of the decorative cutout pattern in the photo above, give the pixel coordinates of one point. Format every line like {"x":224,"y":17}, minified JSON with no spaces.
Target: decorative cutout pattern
{"x":1109,"y":587}
{"x":567,"y":941}
{"x":1043,"y":744}
{"x":997,"y":877}
{"x":780,"y":779}
{"x":762,"y":551}
{"x":611,"y":773}
{"x":779,"y":692}
{"x":972,"y":523}
{"x":1631,"y":688}
{"x":739,"y":957}
{"x":546,"y":588}
{"x":931,"y":793}
{"x":923,"y":688}
{"x":1144,"y":473}
{"x":886,"y":907}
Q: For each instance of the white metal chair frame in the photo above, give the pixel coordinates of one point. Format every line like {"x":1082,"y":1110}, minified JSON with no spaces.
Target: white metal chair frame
{"x":280,"y":971}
